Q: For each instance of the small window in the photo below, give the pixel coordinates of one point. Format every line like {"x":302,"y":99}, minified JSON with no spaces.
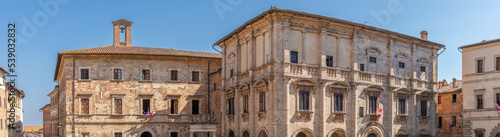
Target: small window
{"x":118,"y":106}
{"x":230,"y":106}
{"x":480,"y":66}
{"x":84,"y":74}
{"x":402,"y":106}
{"x":195,"y":107}
{"x":498,"y":98}
{"x":372,"y":60}
{"x":439,"y":99}
{"x":440,"y":122}
{"x":361,"y":67}
{"x":401,"y":65}
{"x":361,"y":109}
{"x":262,"y":101}
{"x":195,"y":76}
{"x":231,"y":73}
{"x":498,"y":63}
{"x":118,"y":134}
{"x":145,"y":105}
{"x":85,"y":106}
{"x":479,"y":101}
{"x":304,"y":100}
{"x":174,"y":134}
{"x":423,"y":108}
{"x":215,"y":86}
{"x":329,"y":61}
{"x":339,"y":102}
{"x":453,"y":121}
{"x":146,"y":74}
{"x":173,"y":75}
{"x":294,"y":56}
{"x":480,"y":135}
{"x":422,"y":69}
{"x":117,"y":74}
{"x":174,"y":106}
{"x":245,"y":103}
{"x":373,"y":104}
{"x":454,"y":98}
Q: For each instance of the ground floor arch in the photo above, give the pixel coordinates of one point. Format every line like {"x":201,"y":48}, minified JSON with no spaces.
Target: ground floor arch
{"x":337,"y":133}
{"x":146,"y":134}
{"x":246,"y":134}
{"x":303,"y":133}
{"x":262,"y":133}
{"x":231,"y":134}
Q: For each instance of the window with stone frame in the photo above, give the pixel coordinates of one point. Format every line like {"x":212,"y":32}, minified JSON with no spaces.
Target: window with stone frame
{"x":401,"y":65}
{"x":195,"y":107}
{"x":230,"y":106}
{"x":329,"y":61}
{"x":454,"y":98}
{"x":497,"y":98}
{"x":479,"y":66}
{"x":338,"y":93}
{"x":118,"y":106}
{"x":174,"y":106}
{"x":361,"y":67}
{"x":304,"y":100}
{"x":117,"y":74}
{"x":402,"y":106}
{"x":479,"y":101}
{"x":195,"y":76}
{"x":146,"y":74}
{"x":422,"y":69}
{"x":245,"y":104}
{"x":497,"y":63}
{"x":146,"y":105}
{"x":85,"y":106}
{"x":84,"y":73}
{"x":262,"y":101}
{"x":118,"y":134}
{"x":339,"y":102}
{"x":294,"y":57}
{"x":372,"y":59}
{"x":373,"y":105}
{"x":173,"y":75}
{"x":423,"y":107}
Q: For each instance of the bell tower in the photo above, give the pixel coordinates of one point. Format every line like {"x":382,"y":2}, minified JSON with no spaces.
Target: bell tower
{"x":122,"y":27}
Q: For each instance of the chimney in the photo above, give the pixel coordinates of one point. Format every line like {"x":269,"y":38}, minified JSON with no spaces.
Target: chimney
{"x":423,"y":34}
{"x":439,"y":83}
{"x":454,"y":82}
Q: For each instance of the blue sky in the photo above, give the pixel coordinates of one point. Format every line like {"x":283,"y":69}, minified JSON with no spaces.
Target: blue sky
{"x":196,"y":25}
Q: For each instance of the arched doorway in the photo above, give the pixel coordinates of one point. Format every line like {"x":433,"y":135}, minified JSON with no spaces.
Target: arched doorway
{"x":246,"y":134}
{"x":301,"y":135}
{"x":262,"y":133}
{"x":231,"y":134}
{"x":146,"y":134}
{"x":337,"y":133}
{"x":372,"y":135}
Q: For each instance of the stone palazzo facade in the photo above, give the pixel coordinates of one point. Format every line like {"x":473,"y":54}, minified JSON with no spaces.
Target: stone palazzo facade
{"x":128,"y":91}
{"x":294,"y":74}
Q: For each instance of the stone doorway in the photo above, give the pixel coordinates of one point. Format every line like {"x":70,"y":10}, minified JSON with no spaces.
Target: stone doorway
{"x":372,"y":135}
{"x":146,"y":134}
{"x":337,"y":134}
{"x":246,"y":134}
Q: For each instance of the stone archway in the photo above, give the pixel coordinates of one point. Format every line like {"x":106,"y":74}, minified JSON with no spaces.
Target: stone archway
{"x":337,"y":133}
{"x":146,"y":134}
{"x":498,"y":135}
{"x":246,"y":134}
{"x":372,"y":135}
{"x":303,"y":133}
{"x":231,"y":134}
{"x":262,"y":133}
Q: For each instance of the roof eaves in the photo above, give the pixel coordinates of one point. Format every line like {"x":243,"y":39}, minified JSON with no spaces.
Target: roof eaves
{"x":480,"y":43}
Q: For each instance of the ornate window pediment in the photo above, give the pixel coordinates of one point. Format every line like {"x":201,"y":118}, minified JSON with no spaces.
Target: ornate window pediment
{"x":402,"y":56}
{"x":373,"y":50}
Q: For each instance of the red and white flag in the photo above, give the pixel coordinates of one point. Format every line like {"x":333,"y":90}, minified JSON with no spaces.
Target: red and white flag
{"x":497,"y":106}
{"x":379,"y":112}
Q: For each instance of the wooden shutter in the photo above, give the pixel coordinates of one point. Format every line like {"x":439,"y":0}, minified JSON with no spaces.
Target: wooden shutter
{"x":118,"y":106}
{"x":85,"y":106}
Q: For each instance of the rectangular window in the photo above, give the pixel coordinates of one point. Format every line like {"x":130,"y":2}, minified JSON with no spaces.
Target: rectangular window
{"x":402,"y":106}
{"x":480,"y":135}
{"x":304,"y":100}
{"x":329,"y":61}
{"x":245,"y":103}
{"x":195,"y":107}
{"x":145,"y":105}
{"x":146,"y":74}
{"x":173,"y":75}
{"x":118,"y":106}
{"x":215,"y":86}
{"x":480,"y":66}
{"x":262,"y":101}
{"x":372,"y":60}
{"x":479,"y":101}
{"x":195,"y":76}
{"x":231,"y":73}
{"x":118,"y":134}
{"x":439,"y":99}
{"x":498,"y":98}
{"x":454,"y":98}
{"x":230,"y":106}
{"x":373,"y":104}
{"x":174,"y":106}
{"x":401,"y":65}
{"x":422,"y":69}
{"x":498,"y":63}
{"x":453,"y":121}
{"x":361,"y":67}
{"x":85,"y":106}
{"x":361,"y":113}
{"x":174,"y":134}
{"x":339,"y":102}
{"x":423,"y":108}
{"x":117,"y":74}
{"x":294,"y":55}
{"x":84,"y":74}
{"x":440,"y":122}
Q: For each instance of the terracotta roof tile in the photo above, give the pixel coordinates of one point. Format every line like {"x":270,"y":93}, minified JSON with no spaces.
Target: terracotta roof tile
{"x":141,"y":51}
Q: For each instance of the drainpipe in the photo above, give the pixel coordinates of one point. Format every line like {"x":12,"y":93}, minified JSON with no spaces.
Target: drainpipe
{"x":73,"y":102}
{"x":208,"y":89}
